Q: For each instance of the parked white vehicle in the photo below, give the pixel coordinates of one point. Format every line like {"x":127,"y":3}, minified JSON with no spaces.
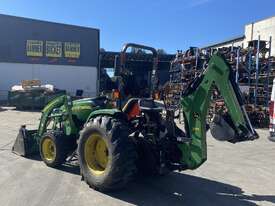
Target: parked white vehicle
{"x":272,"y":114}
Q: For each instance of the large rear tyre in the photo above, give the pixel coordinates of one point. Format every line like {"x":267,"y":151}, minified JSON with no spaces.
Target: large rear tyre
{"x":107,"y":155}
{"x":53,"y":149}
{"x":147,"y":160}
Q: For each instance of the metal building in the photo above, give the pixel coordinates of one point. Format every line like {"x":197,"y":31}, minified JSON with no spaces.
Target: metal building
{"x":263,"y":30}
{"x":66,"y":56}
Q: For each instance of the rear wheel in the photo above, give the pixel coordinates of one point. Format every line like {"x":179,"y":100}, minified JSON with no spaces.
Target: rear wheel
{"x":53,"y":151}
{"x":107,"y":155}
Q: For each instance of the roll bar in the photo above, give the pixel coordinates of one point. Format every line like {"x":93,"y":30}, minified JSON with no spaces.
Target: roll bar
{"x":154,"y":76}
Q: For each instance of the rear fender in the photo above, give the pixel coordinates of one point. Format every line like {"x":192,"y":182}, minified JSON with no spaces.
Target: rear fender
{"x":107,"y":112}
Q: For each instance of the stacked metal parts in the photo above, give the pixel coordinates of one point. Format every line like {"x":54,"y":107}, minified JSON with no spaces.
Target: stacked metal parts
{"x":184,"y":68}
{"x":254,"y":69}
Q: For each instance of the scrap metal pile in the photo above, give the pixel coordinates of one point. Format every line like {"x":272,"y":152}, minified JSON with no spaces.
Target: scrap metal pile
{"x":184,"y":68}
{"x":254,"y":71}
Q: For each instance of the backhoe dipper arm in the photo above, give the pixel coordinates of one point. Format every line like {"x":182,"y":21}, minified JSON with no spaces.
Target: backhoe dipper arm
{"x":195,"y":103}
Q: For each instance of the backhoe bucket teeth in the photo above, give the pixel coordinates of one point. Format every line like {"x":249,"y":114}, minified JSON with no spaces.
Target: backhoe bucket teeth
{"x":25,"y":143}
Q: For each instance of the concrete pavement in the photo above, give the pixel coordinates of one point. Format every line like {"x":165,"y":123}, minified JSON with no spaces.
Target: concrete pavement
{"x":240,"y":174}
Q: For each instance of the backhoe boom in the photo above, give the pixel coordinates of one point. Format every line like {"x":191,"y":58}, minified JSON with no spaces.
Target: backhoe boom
{"x":195,"y":103}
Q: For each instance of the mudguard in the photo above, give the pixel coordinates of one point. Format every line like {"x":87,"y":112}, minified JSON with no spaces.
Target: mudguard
{"x":106,"y":112}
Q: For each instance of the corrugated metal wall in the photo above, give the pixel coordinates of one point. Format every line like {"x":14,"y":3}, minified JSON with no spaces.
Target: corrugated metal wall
{"x":264,"y":28}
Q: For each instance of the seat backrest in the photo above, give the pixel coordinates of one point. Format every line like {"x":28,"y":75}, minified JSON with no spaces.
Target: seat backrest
{"x":131,"y":108}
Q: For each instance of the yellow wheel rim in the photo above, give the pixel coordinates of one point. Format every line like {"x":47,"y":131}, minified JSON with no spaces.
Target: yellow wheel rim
{"x":49,"y":149}
{"x":96,"y":154}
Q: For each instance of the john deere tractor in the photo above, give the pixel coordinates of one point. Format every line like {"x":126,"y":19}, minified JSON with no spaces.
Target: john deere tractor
{"x":113,"y":144}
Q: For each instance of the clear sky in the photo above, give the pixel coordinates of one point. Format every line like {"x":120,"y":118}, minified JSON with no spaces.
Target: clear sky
{"x":167,"y":24}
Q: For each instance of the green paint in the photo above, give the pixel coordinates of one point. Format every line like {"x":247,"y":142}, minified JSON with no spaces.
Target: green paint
{"x":109,"y":112}
{"x":195,"y":108}
{"x":61,"y":110}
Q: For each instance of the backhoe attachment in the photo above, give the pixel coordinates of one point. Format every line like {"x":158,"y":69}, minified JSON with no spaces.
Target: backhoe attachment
{"x":195,"y":103}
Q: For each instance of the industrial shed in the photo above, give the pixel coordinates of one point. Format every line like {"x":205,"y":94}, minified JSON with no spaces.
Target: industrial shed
{"x":63,"y":55}
{"x":263,"y":30}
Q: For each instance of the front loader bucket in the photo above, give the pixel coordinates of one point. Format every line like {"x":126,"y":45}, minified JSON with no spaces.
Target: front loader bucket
{"x":25,"y":143}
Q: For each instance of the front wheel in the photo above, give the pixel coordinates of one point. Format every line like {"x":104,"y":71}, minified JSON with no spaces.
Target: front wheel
{"x":107,"y":155}
{"x":52,"y":149}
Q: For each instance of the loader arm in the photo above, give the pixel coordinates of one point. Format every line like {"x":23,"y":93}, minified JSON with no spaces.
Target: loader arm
{"x":195,"y":103}
{"x":27,"y":141}
{"x":62,"y":101}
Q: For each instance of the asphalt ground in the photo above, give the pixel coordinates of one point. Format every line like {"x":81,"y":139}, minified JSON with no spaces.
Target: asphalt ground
{"x":235,"y":174}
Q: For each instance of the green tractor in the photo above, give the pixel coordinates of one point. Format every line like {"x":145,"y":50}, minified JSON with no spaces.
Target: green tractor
{"x":113,"y":144}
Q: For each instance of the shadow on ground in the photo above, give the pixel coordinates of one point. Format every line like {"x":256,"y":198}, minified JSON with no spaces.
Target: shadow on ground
{"x":2,"y":109}
{"x":71,"y":167}
{"x":181,"y":189}
{"x":28,"y":110}
{"x":178,"y":189}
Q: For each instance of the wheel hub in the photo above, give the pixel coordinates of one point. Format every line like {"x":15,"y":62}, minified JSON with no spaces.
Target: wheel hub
{"x":49,"y":149}
{"x":96,"y":154}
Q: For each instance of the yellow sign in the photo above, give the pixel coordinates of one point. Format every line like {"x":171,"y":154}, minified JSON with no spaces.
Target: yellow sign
{"x":53,"y":49}
{"x":72,"y":50}
{"x":34,"y":48}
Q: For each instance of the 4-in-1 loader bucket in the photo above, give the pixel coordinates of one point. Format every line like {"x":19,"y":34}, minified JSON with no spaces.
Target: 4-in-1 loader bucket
{"x":26,"y":143}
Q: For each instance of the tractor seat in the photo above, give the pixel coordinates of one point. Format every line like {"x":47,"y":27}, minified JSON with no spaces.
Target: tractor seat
{"x":130,"y":104}
{"x":131,"y":108}
{"x":148,"y":105}
{"x":135,"y":106}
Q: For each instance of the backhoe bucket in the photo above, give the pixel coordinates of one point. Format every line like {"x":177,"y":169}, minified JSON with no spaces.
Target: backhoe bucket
{"x":221,"y":130}
{"x":25,"y":143}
